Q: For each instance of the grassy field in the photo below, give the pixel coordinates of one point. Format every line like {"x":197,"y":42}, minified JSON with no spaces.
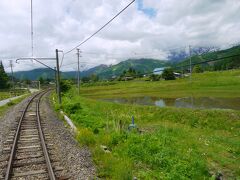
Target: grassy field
{"x":5,"y":94}
{"x":170,"y":143}
{"x":4,"y":108}
{"x":215,"y":84}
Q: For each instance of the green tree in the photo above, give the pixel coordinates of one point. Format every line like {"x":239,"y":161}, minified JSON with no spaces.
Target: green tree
{"x":168,"y":74}
{"x":65,"y":85}
{"x":3,"y":77}
{"x":85,"y":79}
{"x":94,"y":78}
{"x":131,"y":72}
{"x":154,"y":77}
{"x":27,"y":81}
{"x":41,"y":80}
{"x":197,"y":69}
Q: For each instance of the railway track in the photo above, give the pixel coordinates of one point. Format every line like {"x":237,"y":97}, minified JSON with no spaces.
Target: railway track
{"x":28,"y":152}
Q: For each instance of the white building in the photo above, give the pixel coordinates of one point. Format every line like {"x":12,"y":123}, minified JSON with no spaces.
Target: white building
{"x":158,"y":71}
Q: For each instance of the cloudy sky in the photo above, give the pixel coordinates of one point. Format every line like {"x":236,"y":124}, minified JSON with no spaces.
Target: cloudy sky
{"x":148,"y":28}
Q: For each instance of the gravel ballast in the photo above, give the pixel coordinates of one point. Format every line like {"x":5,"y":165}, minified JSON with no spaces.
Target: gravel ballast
{"x":75,"y":159}
{"x":9,"y":120}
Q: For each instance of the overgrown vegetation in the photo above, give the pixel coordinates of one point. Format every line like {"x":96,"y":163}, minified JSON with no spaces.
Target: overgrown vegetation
{"x":92,"y":78}
{"x":65,"y":85}
{"x":154,"y":77}
{"x":168,"y":74}
{"x":129,"y":74}
{"x":172,"y":143}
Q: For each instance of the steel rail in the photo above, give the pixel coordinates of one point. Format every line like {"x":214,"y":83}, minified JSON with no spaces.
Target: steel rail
{"x":44,"y":147}
{"x":13,"y":150}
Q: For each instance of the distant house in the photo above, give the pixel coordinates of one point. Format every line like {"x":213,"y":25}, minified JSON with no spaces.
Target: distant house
{"x":177,"y":75}
{"x":113,"y":77}
{"x":158,"y":71}
{"x":128,"y":78}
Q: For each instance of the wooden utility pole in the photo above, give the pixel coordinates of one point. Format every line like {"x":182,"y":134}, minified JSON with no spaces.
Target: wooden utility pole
{"x":78,"y":75}
{"x":55,"y":74}
{"x":58,"y":79}
{"x":190,"y":62}
{"x":190,"y":66}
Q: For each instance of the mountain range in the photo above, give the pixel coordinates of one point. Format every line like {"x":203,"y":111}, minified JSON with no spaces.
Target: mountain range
{"x":143,"y":65}
{"x":103,"y":71}
{"x":214,"y":59}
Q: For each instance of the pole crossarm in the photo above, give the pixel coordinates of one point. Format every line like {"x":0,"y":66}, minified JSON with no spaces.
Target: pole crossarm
{"x":78,"y":56}
{"x":37,"y":60}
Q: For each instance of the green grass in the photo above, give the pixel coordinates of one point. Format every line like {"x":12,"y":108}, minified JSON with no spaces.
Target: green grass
{"x":4,"y":108}
{"x":5,"y":94}
{"x":174,"y":143}
{"x":215,"y":84}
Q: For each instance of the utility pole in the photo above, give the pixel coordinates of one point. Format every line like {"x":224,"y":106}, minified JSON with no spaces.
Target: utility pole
{"x":78,"y":75}
{"x":55,"y":74}
{"x":190,"y":65}
{"x":190,"y":62}
{"x":58,"y":79}
{"x":182,"y":73}
{"x":11,"y":65}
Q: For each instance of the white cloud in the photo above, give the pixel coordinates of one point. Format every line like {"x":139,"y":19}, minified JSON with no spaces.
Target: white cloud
{"x":65,"y":23}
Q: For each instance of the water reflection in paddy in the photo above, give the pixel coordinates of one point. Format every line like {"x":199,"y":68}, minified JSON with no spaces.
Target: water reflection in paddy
{"x":186,"y":102}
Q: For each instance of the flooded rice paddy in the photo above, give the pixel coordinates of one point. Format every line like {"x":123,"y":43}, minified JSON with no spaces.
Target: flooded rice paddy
{"x":186,"y":102}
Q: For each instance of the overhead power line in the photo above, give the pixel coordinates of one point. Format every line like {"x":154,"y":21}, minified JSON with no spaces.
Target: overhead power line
{"x":209,"y":60}
{"x":64,"y":65}
{"x":101,"y":28}
{"x":32,"y":27}
{"x":62,"y":59}
{"x":117,"y":55}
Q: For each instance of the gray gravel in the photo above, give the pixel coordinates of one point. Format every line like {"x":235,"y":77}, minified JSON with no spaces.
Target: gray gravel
{"x":8,"y":121}
{"x":75,"y":159}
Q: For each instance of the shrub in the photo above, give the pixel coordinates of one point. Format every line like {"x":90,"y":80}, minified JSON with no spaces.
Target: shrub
{"x":111,"y":167}
{"x":86,"y":137}
{"x":65,"y":85}
{"x":197,"y":69}
{"x":72,"y":108}
{"x":10,"y":103}
{"x":117,"y":138}
{"x":123,"y":170}
{"x":154,"y":77}
{"x":168,"y":74}
{"x":96,"y":130}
